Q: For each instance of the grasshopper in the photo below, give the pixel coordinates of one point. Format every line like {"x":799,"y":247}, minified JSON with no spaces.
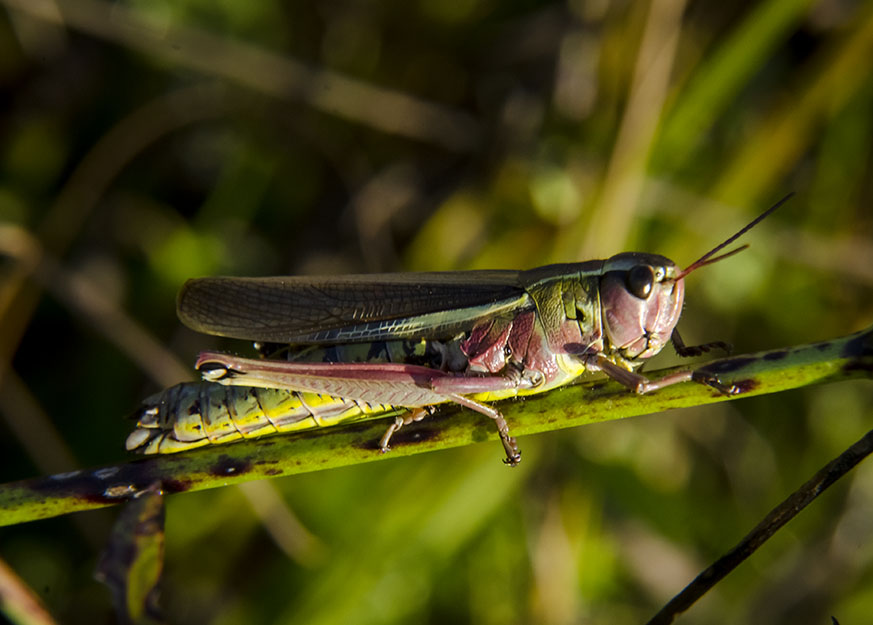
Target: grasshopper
{"x":348,"y":348}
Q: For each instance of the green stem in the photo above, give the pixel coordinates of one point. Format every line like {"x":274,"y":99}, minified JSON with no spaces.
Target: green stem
{"x":591,"y":402}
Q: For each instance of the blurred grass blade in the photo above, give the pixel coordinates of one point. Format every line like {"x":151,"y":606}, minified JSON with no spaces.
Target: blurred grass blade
{"x":782,"y":138}
{"x":389,"y":110}
{"x":593,"y":402}
{"x":18,"y":602}
{"x":132,"y":561}
{"x":719,"y":80}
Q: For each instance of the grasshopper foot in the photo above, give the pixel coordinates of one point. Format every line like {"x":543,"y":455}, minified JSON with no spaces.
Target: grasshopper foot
{"x":712,"y":381}
{"x":513,"y":455}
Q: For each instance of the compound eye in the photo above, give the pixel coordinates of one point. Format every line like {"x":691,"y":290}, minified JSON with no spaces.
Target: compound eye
{"x":640,"y":280}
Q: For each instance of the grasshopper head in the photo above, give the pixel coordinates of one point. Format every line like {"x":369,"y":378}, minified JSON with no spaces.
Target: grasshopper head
{"x":641,"y":296}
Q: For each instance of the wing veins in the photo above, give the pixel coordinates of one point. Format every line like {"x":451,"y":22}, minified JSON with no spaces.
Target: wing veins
{"x":314,"y":310}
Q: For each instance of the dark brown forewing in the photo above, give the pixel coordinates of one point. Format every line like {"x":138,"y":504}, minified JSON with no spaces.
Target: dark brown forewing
{"x":346,"y":309}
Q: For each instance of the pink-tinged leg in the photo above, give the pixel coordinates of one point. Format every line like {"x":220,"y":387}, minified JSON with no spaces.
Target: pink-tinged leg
{"x":384,"y":383}
{"x":513,"y":455}
{"x":389,"y":383}
{"x":640,"y":384}
{"x":399,"y":421}
{"x":471,"y":385}
{"x":455,"y":389}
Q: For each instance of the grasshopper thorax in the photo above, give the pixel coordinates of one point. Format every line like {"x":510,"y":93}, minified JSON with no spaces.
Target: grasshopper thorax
{"x":641,"y":297}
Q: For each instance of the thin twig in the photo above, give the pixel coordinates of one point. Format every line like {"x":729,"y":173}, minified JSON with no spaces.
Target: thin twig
{"x":779,"y":516}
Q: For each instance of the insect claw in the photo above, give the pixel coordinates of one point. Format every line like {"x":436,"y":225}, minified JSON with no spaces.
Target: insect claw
{"x":712,"y":381}
{"x":512,"y":460}
{"x":513,"y":454}
{"x":726,"y":389}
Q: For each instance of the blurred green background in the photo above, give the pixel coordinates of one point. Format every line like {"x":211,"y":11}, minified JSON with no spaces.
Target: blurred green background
{"x":145,"y":142}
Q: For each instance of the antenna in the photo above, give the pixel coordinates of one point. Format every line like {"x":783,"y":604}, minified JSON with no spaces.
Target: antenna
{"x":706,"y":258}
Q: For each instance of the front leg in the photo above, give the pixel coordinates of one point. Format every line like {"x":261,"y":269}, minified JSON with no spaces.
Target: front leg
{"x":640,"y":384}
{"x":688,"y":351}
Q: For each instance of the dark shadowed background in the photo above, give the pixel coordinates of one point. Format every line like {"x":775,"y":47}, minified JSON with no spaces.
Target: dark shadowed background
{"x":143,"y":143}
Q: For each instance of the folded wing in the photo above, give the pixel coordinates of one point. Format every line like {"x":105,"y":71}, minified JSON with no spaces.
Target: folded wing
{"x":348,"y":309}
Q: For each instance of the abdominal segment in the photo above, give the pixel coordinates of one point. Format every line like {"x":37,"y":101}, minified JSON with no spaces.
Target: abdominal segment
{"x":194,"y":414}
